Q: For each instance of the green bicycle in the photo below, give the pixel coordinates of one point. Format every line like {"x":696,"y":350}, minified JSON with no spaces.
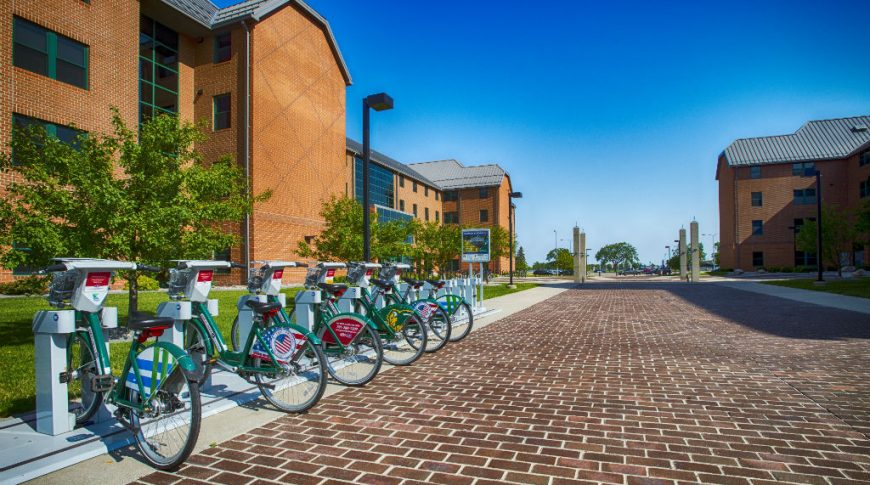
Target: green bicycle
{"x":157,"y":395}
{"x":435,"y":317}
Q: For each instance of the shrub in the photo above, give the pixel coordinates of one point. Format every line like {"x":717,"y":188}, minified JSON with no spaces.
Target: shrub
{"x":144,"y":282}
{"x":32,"y":285}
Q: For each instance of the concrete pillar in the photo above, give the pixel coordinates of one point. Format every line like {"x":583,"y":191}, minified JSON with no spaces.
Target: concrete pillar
{"x":683,"y":261}
{"x":578,"y":257}
{"x":696,"y":251}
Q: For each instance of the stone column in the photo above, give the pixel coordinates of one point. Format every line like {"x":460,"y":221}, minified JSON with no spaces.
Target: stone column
{"x":696,"y":251}
{"x":579,"y":256}
{"x":683,"y":261}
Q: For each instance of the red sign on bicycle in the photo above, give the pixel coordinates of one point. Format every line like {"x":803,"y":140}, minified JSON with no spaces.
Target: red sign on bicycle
{"x":345,"y":327}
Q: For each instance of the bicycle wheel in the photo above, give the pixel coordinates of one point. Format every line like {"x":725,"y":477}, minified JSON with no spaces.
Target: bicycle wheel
{"x":299,"y":385}
{"x":438,"y":326}
{"x":461,"y":322}
{"x":235,"y":338}
{"x":408,"y":343}
{"x":195,"y":346}
{"x":168,"y":427}
{"x":359,"y":361}
{"x":82,"y":368}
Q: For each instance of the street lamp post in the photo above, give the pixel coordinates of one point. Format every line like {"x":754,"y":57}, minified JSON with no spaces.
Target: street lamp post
{"x":511,"y":208}
{"x":377,"y":102}
{"x":555,"y":251}
{"x":813,"y":172}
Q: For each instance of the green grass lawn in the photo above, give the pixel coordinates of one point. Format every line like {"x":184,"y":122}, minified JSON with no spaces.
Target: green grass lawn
{"x":493,"y":291}
{"x":859,"y":287}
{"x":17,"y":381}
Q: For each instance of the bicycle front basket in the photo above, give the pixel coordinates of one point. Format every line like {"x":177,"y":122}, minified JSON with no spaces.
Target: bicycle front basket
{"x":255,"y":280}
{"x":389,"y":272}
{"x":61,"y":289}
{"x":312,"y":276}
{"x":355,"y":272}
{"x":178,"y":280}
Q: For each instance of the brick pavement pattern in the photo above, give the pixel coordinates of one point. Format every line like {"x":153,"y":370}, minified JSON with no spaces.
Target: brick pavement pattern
{"x":635,"y":383}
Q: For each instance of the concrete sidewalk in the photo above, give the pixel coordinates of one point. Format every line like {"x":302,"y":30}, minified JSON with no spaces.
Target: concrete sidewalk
{"x":124,"y":465}
{"x":832,"y":300}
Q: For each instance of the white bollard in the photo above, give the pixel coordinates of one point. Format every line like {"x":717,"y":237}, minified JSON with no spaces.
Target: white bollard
{"x":305,"y":305}
{"x":180,"y":311}
{"x":51,"y":329}
{"x":108,"y":320}
{"x":246,"y":315}
{"x":347,"y":302}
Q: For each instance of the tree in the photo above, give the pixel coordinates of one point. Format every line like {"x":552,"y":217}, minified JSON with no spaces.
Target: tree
{"x":521,"y":265}
{"x":436,"y":245}
{"x":561,"y":259}
{"x":839,"y":233}
{"x":342,"y":238}
{"x":137,"y":195}
{"x":618,"y":253}
{"x":674,"y":261}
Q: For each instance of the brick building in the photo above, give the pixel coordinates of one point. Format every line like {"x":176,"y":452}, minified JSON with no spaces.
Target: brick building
{"x":477,"y":196}
{"x":266,"y":75}
{"x":764,"y":199}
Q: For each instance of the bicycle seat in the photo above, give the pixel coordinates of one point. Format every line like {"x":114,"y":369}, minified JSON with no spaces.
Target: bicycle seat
{"x":436,"y":283}
{"x":413,"y":282}
{"x":142,"y":320}
{"x":382,"y":283}
{"x":335,"y":289}
{"x":263,"y":307}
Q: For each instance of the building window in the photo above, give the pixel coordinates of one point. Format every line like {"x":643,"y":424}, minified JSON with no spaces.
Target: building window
{"x":864,"y":189}
{"x":436,"y":195}
{"x":484,"y":215}
{"x":426,"y":213}
{"x":755,"y":172}
{"x":451,"y":218}
{"x":484,"y":193}
{"x":401,"y":180}
{"x":222,"y":111}
{"x":436,"y":216}
{"x":48,"y":53}
{"x":414,"y":186}
{"x":756,"y":199}
{"x":402,"y":205}
{"x":425,"y":191}
{"x":800,"y":169}
{"x":415,"y":210}
{"x":158,"y":69}
{"x":451,"y":195}
{"x":223,"y":47}
{"x":757,"y":228}
{"x":804,"y":196}
{"x":65,"y":134}
{"x":382,"y":191}
{"x":758,"y":259}
{"x":865,"y":159}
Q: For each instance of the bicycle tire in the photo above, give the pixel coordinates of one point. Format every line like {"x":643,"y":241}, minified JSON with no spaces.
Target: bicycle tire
{"x":461,"y":322}
{"x":341,"y":368}
{"x":82,"y":366}
{"x":408,"y":344}
{"x":316,"y":367}
{"x":196,"y":348}
{"x":235,"y":338}
{"x":167,"y":394}
{"x":438,"y":325}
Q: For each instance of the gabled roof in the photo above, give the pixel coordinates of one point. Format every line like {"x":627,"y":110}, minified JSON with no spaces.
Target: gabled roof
{"x":356,"y":148}
{"x":451,"y":175}
{"x":816,"y":140}
{"x":212,"y":17}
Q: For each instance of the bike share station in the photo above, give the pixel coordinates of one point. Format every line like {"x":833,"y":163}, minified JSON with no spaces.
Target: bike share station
{"x":46,"y":440}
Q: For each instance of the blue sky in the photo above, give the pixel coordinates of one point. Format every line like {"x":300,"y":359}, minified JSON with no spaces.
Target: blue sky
{"x":606,"y":114}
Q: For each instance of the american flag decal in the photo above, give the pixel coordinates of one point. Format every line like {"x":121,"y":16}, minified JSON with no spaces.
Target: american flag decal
{"x":425,"y":309}
{"x":283,"y":342}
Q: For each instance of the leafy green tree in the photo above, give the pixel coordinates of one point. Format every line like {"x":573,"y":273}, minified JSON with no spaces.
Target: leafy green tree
{"x":436,"y":245}
{"x":520,"y":264}
{"x":561,"y":259}
{"x":618,"y":254}
{"x":342,"y":238}
{"x":839,"y":233}
{"x":138,"y":195}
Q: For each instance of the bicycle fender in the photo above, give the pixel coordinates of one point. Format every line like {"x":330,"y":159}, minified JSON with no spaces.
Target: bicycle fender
{"x":369,"y":322}
{"x":209,"y":345}
{"x":184,"y":360}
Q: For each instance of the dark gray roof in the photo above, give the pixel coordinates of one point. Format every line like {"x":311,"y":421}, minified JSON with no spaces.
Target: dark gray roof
{"x":450,"y":174}
{"x":816,"y":140}
{"x":212,"y":17}
{"x":356,"y":148}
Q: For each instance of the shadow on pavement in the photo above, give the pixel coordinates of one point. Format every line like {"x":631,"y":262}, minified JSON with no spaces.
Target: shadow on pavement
{"x":764,"y":313}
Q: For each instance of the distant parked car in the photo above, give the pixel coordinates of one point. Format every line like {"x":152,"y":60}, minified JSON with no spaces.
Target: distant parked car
{"x":542,"y":272}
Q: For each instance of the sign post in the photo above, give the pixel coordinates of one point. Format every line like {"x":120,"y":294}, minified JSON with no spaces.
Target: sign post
{"x":476,"y":249}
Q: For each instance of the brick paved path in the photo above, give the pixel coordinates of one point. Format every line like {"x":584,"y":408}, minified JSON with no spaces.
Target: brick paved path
{"x":622,"y":383}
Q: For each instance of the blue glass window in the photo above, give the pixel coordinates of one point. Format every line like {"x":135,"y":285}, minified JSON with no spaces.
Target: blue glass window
{"x":381,"y":189}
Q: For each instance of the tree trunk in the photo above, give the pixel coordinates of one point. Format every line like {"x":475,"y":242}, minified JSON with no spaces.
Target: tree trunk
{"x":133,"y":296}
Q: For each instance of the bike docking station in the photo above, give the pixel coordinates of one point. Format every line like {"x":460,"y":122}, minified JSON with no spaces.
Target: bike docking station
{"x":311,"y":297}
{"x":263,"y":282}
{"x":46,"y":440}
{"x":361,"y":276}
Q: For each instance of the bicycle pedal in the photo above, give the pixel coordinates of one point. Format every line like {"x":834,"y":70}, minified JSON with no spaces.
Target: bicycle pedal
{"x":102,"y":383}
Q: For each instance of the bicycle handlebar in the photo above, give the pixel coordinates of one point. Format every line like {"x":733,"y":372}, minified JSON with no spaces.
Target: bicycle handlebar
{"x":52,"y":269}
{"x":237,"y":265}
{"x":150,"y":269}
{"x":301,"y":265}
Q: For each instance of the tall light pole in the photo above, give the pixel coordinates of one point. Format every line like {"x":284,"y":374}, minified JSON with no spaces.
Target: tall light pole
{"x":810,"y":172}
{"x":555,"y":251}
{"x":511,"y":207}
{"x":377,"y":102}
